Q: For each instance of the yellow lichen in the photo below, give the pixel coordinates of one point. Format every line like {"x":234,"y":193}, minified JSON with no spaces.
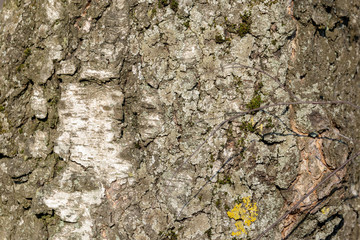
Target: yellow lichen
{"x":261,"y":128}
{"x":244,"y":214}
{"x":325,"y":210}
{"x":252,"y":121}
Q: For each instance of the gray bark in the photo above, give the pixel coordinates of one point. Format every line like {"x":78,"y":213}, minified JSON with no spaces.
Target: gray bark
{"x":104,"y":106}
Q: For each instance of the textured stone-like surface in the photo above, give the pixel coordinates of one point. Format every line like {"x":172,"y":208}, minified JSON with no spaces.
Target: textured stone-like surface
{"x":101,"y":102}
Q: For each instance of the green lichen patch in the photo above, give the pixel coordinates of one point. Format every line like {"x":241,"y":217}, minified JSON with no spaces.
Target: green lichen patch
{"x":186,"y":24}
{"x":163,"y":3}
{"x":49,"y":219}
{"x":242,"y":28}
{"x":241,"y":142}
{"x":225,"y":180}
{"x":257,"y":88}
{"x":255,"y":102}
{"x":220,"y":39}
{"x":169,"y":235}
{"x":27,"y":52}
{"x":153,"y":12}
{"x":208,"y":233}
{"x":269,"y":123}
{"x":246,"y":127}
{"x":20,"y":67}
{"x":238,"y":83}
{"x":218,"y":203}
{"x":174,"y":5}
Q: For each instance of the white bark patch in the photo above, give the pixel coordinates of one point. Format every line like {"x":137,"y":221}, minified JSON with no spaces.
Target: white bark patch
{"x":87,"y":138}
{"x":11,"y":17}
{"x":103,"y":75}
{"x":74,"y":206}
{"x":88,"y":128}
{"x":87,"y":25}
{"x":53,"y":9}
{"x":38,"y":147}
{"x":190,"y":52}
{"x":38,"y":102}
{"x":54,"y":47}
{"x":67,"y":67}
{"x":150,"y":125}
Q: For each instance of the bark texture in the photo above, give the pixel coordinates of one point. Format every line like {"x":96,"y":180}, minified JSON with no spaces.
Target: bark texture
{"x":103,"y":103}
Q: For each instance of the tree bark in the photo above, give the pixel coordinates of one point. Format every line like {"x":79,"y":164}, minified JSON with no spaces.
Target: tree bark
{"x":149,"y":119}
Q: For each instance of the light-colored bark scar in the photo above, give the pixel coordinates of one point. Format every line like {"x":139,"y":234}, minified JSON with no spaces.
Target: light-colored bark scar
{"x":88,"y":125}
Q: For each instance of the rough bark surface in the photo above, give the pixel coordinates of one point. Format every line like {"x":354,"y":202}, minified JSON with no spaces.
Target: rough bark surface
{"x":103,"y":102}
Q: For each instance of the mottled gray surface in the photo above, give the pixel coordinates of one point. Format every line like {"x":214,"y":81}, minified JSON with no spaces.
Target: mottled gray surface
{"x":102,"y":101}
